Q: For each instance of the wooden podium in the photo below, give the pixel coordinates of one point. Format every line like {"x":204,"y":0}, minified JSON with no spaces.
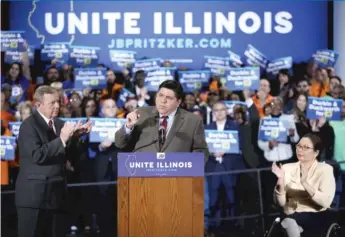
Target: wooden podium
{"x":160,"y":206}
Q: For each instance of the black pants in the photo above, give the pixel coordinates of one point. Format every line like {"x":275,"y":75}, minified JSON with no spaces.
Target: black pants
{"x":41,"y":223}
{"x":313,"y":223}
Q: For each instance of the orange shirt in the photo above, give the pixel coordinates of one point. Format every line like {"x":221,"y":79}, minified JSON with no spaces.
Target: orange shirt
{"x":5,"y":179}
{"x":7,"y":117}
{"x":116,"y":87}
{"x":318,"y":90}
{"x":258,"y":105}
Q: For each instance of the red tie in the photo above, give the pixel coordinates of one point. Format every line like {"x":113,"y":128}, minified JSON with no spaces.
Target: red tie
{"x":50,"y":124}
{"x":164,"y":122}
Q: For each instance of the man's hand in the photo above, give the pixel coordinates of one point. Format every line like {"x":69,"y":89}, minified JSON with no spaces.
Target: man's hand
{"x":67,"y":131}
{"x":132,"y":118}
{"x":81,"y":129}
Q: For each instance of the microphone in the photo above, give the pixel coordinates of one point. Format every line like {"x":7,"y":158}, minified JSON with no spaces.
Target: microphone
{"x":161,"y":134}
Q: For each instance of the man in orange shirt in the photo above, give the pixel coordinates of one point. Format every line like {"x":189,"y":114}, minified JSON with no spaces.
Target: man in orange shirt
{"x":262,"y":96}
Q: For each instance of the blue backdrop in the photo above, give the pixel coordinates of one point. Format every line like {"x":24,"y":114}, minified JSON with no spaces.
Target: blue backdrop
{"x":277,"y":29}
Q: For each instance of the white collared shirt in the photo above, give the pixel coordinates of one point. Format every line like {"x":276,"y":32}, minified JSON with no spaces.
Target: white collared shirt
{"x":47,"y":120}
{"x":170,"y":120}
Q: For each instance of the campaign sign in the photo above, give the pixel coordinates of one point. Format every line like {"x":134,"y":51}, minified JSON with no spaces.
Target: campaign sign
{"x":273,"y":129}
{"x":235,"y":59}
{"x":14,"y":128}
{"x":217,"y":65}
{"x":222,"y":141}
{"x":255,"y":58}
{"x":12,"y":40}
{"x":325,"y":58}
{"x":330,"y":109}
{"x":278,"y":64}
{"x":14,"y":55}
{"x":238,"y":79}
{"x":57,"y":50}
{"x":155,"y":77}
{"x":175,"y":164}
{"x":105,"y":128}
{"x":83,"y":56}
{"x":74,"y":120}
{"x":192,"y":81}
{"x":121,"y":59}
{"x":95,"y":78}
{"x":146,"y":64}
{"x":7,"y":148}
{"x":232,"y":104}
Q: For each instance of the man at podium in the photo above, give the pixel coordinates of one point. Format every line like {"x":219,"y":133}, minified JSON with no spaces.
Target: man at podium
{"x":164,"y":127}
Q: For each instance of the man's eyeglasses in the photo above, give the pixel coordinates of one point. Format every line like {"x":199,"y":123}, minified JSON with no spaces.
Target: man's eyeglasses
{"x":303,"y":148}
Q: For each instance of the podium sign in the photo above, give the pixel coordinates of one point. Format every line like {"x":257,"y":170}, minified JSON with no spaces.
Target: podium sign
{"x":160,"y":164}
{"x":160,"y":194}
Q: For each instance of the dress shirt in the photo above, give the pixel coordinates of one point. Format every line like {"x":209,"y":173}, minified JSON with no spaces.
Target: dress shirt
{"x":47,"y":121}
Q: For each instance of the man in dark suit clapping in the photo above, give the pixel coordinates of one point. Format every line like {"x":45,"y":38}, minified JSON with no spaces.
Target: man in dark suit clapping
{"x":44,"y":141}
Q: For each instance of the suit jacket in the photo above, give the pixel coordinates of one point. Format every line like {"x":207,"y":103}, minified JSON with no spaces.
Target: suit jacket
{"x":41,"y":181}
{"x":185,"y":135}
{"x":296,"y":199}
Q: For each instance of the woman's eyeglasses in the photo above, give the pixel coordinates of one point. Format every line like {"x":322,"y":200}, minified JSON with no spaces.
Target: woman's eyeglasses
{"x":303,"y":148}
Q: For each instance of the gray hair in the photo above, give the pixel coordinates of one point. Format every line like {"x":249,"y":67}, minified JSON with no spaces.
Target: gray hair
{"x":41,"y":91}
{"x":24,"y":105}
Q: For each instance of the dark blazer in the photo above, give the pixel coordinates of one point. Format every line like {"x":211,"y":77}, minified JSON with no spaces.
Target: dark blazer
{"x":186,"y":134}
{"x":41,"y":182}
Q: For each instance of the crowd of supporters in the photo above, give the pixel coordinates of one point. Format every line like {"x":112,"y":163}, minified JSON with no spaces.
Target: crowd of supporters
{"x":229,"y":195}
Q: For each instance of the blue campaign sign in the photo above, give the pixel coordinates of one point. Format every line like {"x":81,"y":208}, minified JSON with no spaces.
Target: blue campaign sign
{"x":217,"y":65}
{"x":14,"y":128}
{"x":146,"y":64}
{"x":255,"y":58}
{"x":177,"y":164}
{"x":238,"y":79}
{"x":155,"y":77}
{"x":95,"y":78}
{"x":273,"y":129}
{"x":184,"y":31}
{"x":278,"y":64}
{"x":15,"y":55}
{"x":105,"y":128}
{"x":330,"y":109}
{"x":12,"y":40}
{"x":121,"y":59}
{"x":224,"y":142}
{"x":83,"y":56}
{"x":192,"y":81}
{"x":74,"y":120}
{"x":325,"y":58}
{"x":55,"y":50}
{"x":7,"y":148}
{"x":235,"y":59}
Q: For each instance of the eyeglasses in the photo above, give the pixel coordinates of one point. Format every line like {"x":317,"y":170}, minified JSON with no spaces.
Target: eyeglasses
{"x":303,"y":148}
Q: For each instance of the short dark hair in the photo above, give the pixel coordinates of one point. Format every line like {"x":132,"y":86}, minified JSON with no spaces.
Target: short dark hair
{"x":175,"y":86}
{"x":316,"y":140}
